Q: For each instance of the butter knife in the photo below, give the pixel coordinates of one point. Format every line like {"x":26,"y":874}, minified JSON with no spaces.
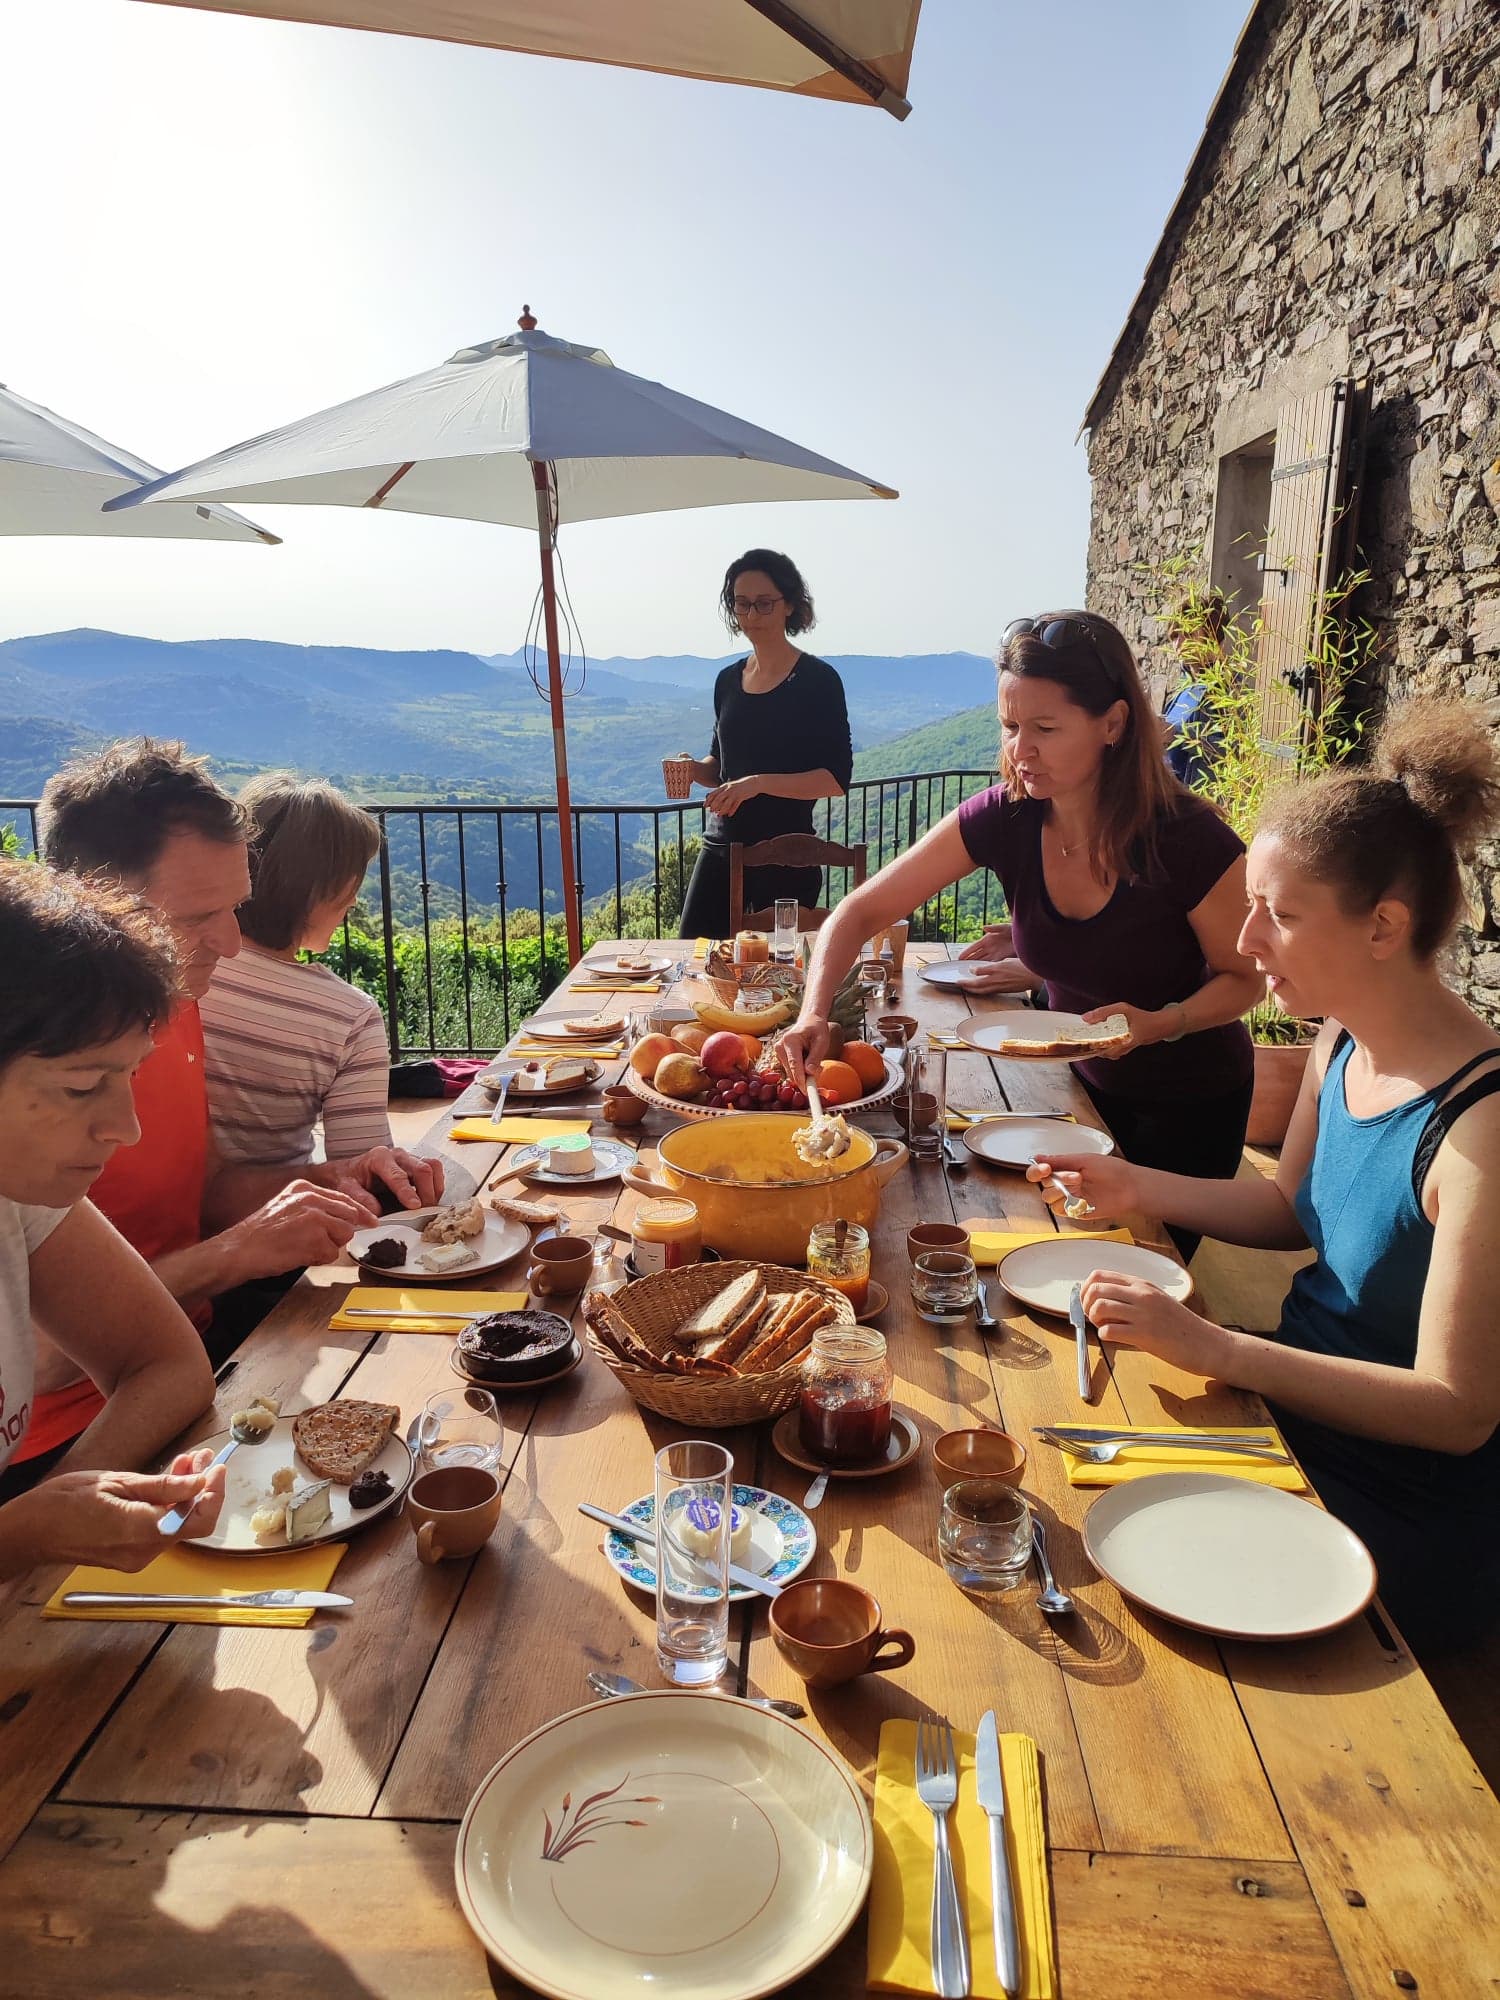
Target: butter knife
{"x":1081,"y":1338}
{"x":259,"y":1600}
{"x":1002,"y":1898}
{"x":742,"y":1579}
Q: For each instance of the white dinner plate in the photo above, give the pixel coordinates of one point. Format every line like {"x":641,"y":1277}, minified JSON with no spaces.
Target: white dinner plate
{"x":963,"y":972}
{"x":247,"y":1486}
{"x":501,"y":1240}
{"x":783,"y":1541}
{"x":1016,"y":1142}
{"x":664,"y":1846}
{"x":1228,"y":1556}
{"x":1042,"y":1275}
{"x":613,"y":968}
{"x":989,"y":1032}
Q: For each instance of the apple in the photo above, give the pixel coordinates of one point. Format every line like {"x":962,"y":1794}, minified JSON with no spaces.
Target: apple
{"x":647,"y":1053}
{"x":723,"y":1054}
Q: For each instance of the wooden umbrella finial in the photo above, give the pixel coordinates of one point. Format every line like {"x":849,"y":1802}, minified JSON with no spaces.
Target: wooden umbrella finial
{"x":527,"y":321}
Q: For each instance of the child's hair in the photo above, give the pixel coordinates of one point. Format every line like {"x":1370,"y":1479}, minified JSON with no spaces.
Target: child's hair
{"x":308,"y":843}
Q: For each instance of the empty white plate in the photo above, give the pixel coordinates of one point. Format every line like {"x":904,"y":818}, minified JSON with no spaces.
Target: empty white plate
{"x":965,"y":972}
{"x":1016,"y":1142}
{"x":1042,"y":1275}
{"x":1228,"y":1556}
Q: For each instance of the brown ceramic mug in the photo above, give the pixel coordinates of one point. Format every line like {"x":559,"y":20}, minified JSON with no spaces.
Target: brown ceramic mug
{"x":936,"y":1236}
{"x":622,"y":1106}
{"x":979,"y":1454}
{"x":898,"y":1029}
{"x":453,"y":1511}
{"x":829,"y":1631}
{"x":560,"y":1265}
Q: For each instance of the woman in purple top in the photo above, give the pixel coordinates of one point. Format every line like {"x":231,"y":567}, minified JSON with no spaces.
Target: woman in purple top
{"x":1126,"y":895}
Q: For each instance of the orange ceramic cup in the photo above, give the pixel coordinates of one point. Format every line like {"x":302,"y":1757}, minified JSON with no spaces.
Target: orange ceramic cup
{"x":560,"y":1265}
{"x":828,"y":1631}
{"x":936,"y":1236}
{"x":980,"y":1454}
{"x":453,"y":1511}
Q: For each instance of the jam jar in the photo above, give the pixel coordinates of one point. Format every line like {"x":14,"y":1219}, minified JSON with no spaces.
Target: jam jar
{"x":844,"y":1417}
{"x":839,"y":1254}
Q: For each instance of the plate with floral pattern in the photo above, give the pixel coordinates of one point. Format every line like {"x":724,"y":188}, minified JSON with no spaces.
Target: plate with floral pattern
{"x":783,"y":1541}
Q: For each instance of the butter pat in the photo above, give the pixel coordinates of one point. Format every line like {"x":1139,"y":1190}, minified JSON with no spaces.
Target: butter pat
{"x":699,"y":1530}
{"x":308,"y":1511}
{"x":447,"y":1256}
{"x":574,"y":1155}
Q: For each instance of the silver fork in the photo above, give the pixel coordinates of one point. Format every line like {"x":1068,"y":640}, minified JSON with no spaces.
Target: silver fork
{"x":1106,"y":1453}
{"x":937,"y":1788}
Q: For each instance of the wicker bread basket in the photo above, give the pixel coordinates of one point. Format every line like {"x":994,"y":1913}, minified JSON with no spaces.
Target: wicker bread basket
{"x":654,"y":1306}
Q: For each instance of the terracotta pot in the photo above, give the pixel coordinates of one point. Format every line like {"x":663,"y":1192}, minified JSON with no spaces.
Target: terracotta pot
{"x":754,"y":1197}
{"x":1278,"y":1078}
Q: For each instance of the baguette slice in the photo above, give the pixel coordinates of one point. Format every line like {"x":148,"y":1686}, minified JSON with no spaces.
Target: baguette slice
{"x":724,"y":1312}
{"x":338,"y":1440}
{"x":751,"y":1329}
{"x":535,"y":1214}
{"x":1088,"y":1037}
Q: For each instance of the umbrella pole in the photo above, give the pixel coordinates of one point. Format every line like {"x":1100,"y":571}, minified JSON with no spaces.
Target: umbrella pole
{"x":540,"y":474}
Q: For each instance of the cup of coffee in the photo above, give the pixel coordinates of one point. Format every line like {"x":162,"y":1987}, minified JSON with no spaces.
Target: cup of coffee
{"x":453,"y":1512}
{"x":829,"y":1631}
{"x":622,"y":1106}
{"x":979,"y":1454}
{"x":936,"y":1236}
{"x":677,"y":775}
{"x":560,"y":1265}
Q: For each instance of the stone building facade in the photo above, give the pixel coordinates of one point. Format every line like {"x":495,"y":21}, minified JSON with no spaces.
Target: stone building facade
{"x":1338,"y":228}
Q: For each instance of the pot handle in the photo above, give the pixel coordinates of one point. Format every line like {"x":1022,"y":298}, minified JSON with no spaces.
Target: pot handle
{"x":645,"y":1182}
{"x":890,"y":1157}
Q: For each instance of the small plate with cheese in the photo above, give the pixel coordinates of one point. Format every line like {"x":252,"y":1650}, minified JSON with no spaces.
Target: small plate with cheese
{"x":578,"y":1161}
{"x":436,"y":1263}
{"x":317,"y":1510}
{"x":771,"y":1536}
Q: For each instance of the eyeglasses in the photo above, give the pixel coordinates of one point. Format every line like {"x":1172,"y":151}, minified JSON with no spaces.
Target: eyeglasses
{"x":761,"y":606}
{"x":1059,"y":634}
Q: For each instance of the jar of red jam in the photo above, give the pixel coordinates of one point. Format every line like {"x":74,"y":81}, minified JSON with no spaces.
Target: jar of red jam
{"x":844,"y":1416}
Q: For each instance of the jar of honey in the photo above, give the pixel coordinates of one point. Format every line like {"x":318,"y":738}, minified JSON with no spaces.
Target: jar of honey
{"x":664,"y":1235}
{"x":839,"y":1254}
{"x":844,"y":1416}
{"x":752,"y":948}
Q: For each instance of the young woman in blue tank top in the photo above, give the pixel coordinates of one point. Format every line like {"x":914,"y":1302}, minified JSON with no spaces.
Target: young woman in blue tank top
{"x":1385,"y":1371}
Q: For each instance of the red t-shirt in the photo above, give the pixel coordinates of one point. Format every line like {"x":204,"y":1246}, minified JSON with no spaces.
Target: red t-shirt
{"x":152,"y":1192}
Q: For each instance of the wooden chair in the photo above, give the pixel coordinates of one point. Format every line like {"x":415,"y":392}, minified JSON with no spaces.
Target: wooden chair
{"x":788,"y":850}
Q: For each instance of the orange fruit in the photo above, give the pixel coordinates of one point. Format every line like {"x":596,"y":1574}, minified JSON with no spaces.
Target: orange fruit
{"x":866,"y":1062}
{"x":648,"y":1052}
{"x":838,"y":1083}
{"x":752,"y":1049}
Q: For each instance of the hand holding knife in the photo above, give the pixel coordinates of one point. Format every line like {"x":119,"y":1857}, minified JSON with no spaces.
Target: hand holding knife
{"x":1081,"y":1338}
{"x":1002,"y":1898}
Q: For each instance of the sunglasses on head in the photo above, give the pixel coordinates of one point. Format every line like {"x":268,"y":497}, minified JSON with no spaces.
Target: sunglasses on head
{"x":1060,"y":634}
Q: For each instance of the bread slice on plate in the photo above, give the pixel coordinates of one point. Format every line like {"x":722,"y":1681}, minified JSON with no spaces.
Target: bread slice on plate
{"x":1084,"y":1038}
{"x":338,"y":1440}
{"x":743,"y":1297}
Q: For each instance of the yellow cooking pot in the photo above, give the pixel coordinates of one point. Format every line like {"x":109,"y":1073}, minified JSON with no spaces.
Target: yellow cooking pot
{"x":754,"y":1196}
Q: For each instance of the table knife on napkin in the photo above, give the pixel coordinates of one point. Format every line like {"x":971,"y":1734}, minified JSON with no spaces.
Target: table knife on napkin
{"x":1081,"y":1337}
{"x":633,"y":1531}
{"x":1002,"y":1898}
{"x":256,"y":1600}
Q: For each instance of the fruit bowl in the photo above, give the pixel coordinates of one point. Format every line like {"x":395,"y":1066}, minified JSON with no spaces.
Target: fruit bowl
{"x":691,"y":1108}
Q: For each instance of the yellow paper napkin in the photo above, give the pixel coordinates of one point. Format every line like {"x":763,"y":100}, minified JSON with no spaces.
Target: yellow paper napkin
{"x":900,"y":1957}
{"x":204,"y":1573}
{"x":958,"y":1120}
{"x":517,"y":1131}
{"x":1135,"y":1464}
{"x":418,"y":1299}
{"x":615,"y":986}
{"x":567,"y":1045}
{"x":988,"y":1246}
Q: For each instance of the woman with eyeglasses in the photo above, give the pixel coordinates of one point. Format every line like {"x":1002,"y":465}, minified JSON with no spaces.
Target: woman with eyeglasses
{"x":1126,"y":894}
{"x":781,"y":741}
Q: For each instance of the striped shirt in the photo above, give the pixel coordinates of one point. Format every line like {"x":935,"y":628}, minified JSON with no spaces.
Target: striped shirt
{"x":287,"y":1045}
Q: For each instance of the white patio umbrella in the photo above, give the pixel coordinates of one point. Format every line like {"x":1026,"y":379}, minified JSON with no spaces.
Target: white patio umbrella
{"x":856,"y":50}
{"x":530,"y":432}
{"x":55,"y":477}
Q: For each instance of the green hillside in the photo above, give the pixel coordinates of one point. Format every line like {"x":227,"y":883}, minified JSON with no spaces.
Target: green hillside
{"x":968,"y":741}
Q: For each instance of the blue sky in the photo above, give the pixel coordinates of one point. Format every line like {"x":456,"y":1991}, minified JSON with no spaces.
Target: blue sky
{"x":230,"y":223}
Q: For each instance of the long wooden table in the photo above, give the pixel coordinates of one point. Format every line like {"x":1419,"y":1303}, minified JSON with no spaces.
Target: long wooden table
{"x":188,"y":1809}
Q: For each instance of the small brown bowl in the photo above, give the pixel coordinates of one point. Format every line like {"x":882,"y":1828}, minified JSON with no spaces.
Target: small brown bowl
{"x":980,"y":1454}
{"x":936,"y":1236}
{"x":622,"y":1106}
{"x":895,"y":1027}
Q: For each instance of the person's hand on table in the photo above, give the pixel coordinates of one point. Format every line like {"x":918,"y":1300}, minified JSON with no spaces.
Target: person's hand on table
{"x":726,"y":799}
{"x":996,"y":943}
{"x":110,"y":1518}
{"x":802,"y":1047}
{"x":416,"y":1182}
{"x":1001,"y":975}
{"x":1132,"y":1312}
{"x":303,"y":1224}
{"x":1108,"y":1183}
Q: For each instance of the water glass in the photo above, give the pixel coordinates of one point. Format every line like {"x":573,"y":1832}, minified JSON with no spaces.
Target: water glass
{"x":784,"y":938}
{"x":694,"y":1493}
{"x":921,"y":1105}
{"x":984,"y":1535}
{"x":944,"y":1284}
{"x":460,"y":1427}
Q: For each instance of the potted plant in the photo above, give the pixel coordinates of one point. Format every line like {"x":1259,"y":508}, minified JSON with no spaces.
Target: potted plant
{"x":1238,"y":762}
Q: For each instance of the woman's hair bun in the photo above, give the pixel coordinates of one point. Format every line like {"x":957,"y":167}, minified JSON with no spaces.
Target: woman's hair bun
{"x":1443,"y":756}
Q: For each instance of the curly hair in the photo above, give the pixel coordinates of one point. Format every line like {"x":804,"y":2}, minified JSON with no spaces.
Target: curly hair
{"x":114,"y":812}
{"x":787,"y":578}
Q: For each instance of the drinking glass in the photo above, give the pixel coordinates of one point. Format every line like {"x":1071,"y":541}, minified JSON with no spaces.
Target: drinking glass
{"x":872,"y":974}
{"x":784,"y":938}
{"x":921,"y":1105}
{"x":984,"y":1535}
{"x":460,"y":1427}
{"x":694,"y":1483}
{"x":944,"y":1284}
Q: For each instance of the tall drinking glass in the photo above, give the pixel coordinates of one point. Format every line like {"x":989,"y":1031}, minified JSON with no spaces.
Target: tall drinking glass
{"x":784,"y":938}
{"x":921,"y":1106}
{"x":693,"y":1499}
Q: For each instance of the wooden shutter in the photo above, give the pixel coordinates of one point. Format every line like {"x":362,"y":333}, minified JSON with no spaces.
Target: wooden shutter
{"x":1306,"y":540}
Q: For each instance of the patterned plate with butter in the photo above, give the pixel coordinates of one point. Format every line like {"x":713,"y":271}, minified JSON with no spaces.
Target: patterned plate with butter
{"x":783,"y":1541}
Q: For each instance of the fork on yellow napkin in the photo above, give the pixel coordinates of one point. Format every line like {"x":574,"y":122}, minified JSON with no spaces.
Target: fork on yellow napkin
{"x":1141,"y":1460}
{"x":193,"y":1572}
{"x":418,"y":1301}
{"x":900,"y":1956}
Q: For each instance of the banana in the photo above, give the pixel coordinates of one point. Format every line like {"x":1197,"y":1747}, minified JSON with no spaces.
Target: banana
{"x":760,"y":1021}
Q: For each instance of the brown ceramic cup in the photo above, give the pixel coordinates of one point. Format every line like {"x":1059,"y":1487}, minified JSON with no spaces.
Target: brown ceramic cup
{"x":828,"y":1631}
{"x":560,"y":1265}
{"x":898,"y":1028}
{"x":622,"y":1106}
{"x":936,"y":1236}
{"x":453,"y":1511}
{"x":979,"y":1454}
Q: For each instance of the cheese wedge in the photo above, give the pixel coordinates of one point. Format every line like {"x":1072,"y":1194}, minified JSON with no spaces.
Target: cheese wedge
{"x":309,"y":1510}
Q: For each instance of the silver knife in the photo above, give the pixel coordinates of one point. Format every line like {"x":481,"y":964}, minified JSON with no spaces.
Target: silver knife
{"x":1002,"y":1898}
{"x":259,"y":1600}
{"x":1081,"y":1338}
{"x":742,"y":1579}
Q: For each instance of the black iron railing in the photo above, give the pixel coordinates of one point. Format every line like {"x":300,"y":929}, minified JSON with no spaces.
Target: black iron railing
{"x":459,"y":930}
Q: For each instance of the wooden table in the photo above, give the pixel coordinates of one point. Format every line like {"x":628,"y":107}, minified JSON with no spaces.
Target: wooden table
{"x":190,"y":1810}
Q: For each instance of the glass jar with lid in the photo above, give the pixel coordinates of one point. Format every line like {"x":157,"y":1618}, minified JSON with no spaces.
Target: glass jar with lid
{"x":839,"y":1254}
{"x":664,"y":1235}
{"x":844,"y":1417}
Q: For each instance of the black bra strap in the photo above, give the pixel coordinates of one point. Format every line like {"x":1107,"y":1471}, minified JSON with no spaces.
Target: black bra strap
{"x":1446,"y":1115}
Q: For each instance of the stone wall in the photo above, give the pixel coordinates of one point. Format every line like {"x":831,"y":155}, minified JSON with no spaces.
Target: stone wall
{"x":1343,"y":220}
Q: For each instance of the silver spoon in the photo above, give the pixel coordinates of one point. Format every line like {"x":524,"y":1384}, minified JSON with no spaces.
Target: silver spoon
{"x":1054,"y":1602}
{"x":607,"y":1685}
{"x":239,"y":1433}
{"x":984,"y":1320}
